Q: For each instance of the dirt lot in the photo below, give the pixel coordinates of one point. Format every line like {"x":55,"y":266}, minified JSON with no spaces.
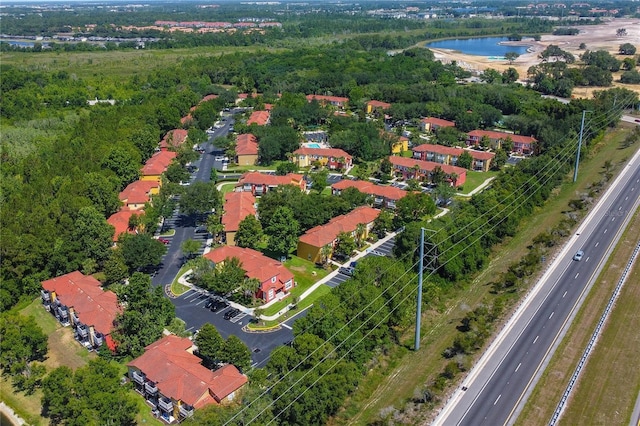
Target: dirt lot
{"x":596,"y":37}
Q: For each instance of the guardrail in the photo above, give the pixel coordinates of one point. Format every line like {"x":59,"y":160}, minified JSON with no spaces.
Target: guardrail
{"x":594,"y":337}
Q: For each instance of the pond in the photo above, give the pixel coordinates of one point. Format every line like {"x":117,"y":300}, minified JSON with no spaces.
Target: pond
{"x":484,"y":46}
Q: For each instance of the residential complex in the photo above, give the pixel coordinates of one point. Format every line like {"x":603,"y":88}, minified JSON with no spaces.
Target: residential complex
{"x":431,"y":124}
{"x":377,"y":105}
{"x":261,"y":118}
{"x":246,"y":150}
{"x":411,"y":168}
{"x":237,"y":206}
{"x":174,"y":383}
{"x":383,"y":196}
{"x":138,"y":193}
{"x":332,"y":158}
{"x":310,"y":245}
{"x":260,"y":183}
{"x":336,"y":101}
{"x":78,"y":300}
{"x":173,"y":139}
{"x":521,"y":144}
{"x":276,"y":281}
{"x":449,"y":155}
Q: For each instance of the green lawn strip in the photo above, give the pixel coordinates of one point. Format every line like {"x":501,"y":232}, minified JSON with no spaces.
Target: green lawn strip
{"x":305,"y":303}
{"x":302,"y":271}
{"x":176,"y":288}
{"x":144,"y":415}
{"x":27,"y":407}
{"x":599,"y":384}
{"x":475,"y":179}
{"x":226,"y":188}
{"x":44,"y":319}
{"x":168,"y":233}
{"x":417,"y":369}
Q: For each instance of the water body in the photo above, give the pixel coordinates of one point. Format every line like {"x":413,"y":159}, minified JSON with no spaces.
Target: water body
{"x":484,"y":46}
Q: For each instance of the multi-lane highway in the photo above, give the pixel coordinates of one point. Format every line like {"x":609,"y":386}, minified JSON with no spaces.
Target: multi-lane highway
{"x":496,"y":389}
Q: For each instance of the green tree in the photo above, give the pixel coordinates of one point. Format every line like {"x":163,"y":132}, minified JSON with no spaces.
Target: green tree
{"x":103,"y":192}
{"x":383,"y":223}
{"x":57,"y":394}
{"x":215,"y":226}
{"x":177,"y":173}
{"x":511,"y":56}
{"x":23,"y":342}
{"x":444,"y":193}
{"x":209,"y":343}
{"x":465,"y":160}
{"x":93,"y":234}
{"x":346,"y":244}
{"x":510,"y":75}
{"x":285,"y":167}
{"x":115,"y":269}
{"x":140,"y":251}
{"x":124,"y":164}
{"x":249,"y":233}
{"x":500,"y":159}
{"x":319,"y":180}
{"x":627,"y":49}
{"x":283,"y":231}
{"x":236,"y":352}
{"x":413,"y":207}
{"x":228,"y":277}
{"x":361,"y":231}
{"x":200,"y":198}
{"x":190,"y":248}
{"x":146,"y":140}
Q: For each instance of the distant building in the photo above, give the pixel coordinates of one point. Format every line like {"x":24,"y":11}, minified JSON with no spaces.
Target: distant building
{"x":276,"y":281}
{"x":383,"y":196}
{"x":261,"y":118}
{"x":173,"y":139}
{"x":521,"y":144}
{"x":259,"y":183}
{"x":411,"y":168}
{"x":310,"y":245}
{"x":336,"y":101}
{"x":431,"y":124}
{"x":331,"y":158}
{"x":237,"y":206}
{"x":157,"y":165}
{"x":138,"y":193}
{"x":377,"y":105}
{"x":175,"y":383}
{"x":449,"y":155}
{"x":246,"y":150}
{"x":78,"y":300}
{"x":120,"y":222}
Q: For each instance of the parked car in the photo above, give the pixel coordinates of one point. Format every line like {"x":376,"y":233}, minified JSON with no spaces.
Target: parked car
{"x":209,"y":303}
{"x":164,"y":240}
{"x":218,"y":305}
{"x":231,"y":313}
{"x":346,"y":271}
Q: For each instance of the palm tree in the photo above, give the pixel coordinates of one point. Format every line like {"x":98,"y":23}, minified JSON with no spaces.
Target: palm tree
{"x":325,"y":253}
{"x":360,"y":234}
{"x":250,"y":287}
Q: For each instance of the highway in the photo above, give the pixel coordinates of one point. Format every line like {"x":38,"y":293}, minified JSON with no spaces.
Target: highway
{"x":496,"y":389}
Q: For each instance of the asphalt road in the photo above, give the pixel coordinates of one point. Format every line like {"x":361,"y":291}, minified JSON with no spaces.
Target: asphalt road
{"x":506,"y":374}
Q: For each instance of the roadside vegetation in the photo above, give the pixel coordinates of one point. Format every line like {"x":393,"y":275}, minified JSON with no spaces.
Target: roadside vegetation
{"x":64,"y":164}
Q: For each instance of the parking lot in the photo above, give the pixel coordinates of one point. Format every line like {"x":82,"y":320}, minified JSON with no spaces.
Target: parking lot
{"x":384,"y":249}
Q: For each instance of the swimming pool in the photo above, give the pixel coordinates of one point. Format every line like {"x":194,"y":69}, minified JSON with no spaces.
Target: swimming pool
{"x":313,"y":145}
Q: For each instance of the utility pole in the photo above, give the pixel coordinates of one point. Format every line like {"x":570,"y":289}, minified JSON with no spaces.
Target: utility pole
{"x":419,"y":302}
{"x":575,"y":172}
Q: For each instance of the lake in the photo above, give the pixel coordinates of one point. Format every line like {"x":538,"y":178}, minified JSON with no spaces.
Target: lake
{"x":484,"y":46}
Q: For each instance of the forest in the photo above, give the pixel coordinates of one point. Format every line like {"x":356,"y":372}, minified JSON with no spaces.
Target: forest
{"x":63,"y":164}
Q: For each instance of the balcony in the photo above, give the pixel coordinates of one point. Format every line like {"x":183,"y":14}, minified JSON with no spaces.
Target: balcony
{"x":63,"y":314}
{"x":75,"y":319}
{"x":98,"y":338}
{"x":150,"y":388}
{"x":165,"y":404}
{"x":83,"y":331}
{"x":137,"y":377}
{"x":46,"y":297}
{"x":186,"y":410}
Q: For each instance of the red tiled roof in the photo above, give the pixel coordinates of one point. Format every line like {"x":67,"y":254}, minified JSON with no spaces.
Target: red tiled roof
{"x":120,"y":221}
{"x":208,"y":98}
{"x":138,"y":192}
{"x":257,"y":178}
{"x":255,"y":264}
{"x":323,"y":152}
{"x":321,"y":98}
{"x":480,"y":155}
{"x":187,"y":117}
{"x":268,"y":107}
{"x":179,"y":375}
{"x":93,"y":306}
{"x":158,"y":163}
{"x":246,"y":144}
{"x":502,"y":135}
{"x":322,"y":235}
{"x":174,"y":138}
{"x":425,"y":165}
{"x":439,"y":149}
{"x":259,"y":117}
{"x":379,"y":104}
{"x":388,"y":192}
{"x":237,"y":206}
{"x":438,"y":122}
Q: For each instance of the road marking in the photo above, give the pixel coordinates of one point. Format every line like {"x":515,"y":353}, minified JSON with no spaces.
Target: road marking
{"x":517,"y":368}
{"x":626,"y":198}
{"x":605,"y":231}
{"x":620,"y":208}
{"x":551,"y":314}
{"x":576,"y":275}
{"x":587,"y":259}
{"x":565,"y":293}
{"x":613,"y":218}
{"x":497,"y":399}
{"x":536,"y":339}
{"x":286,"y":326}
{"x":597,"y":244}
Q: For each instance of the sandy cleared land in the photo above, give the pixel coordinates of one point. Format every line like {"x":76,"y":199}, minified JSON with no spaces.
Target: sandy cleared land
{"x":596,"y":37}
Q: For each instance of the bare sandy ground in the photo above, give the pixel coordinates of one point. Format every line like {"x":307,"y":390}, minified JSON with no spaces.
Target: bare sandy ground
{"x":596,"y":37}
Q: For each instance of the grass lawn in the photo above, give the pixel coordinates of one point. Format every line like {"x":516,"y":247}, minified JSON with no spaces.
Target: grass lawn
{"x":303,"y":271}
{"x":144,"y":415}
{"x":226,"y":188}
{"x":304,"y":304}
{"x":177,"y":288}
{"x":26,"y":406}
{"x":393,"y":383}
{"x":475,"y":179}
{"x":168,"y":233}
{"x":609,"y":384}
